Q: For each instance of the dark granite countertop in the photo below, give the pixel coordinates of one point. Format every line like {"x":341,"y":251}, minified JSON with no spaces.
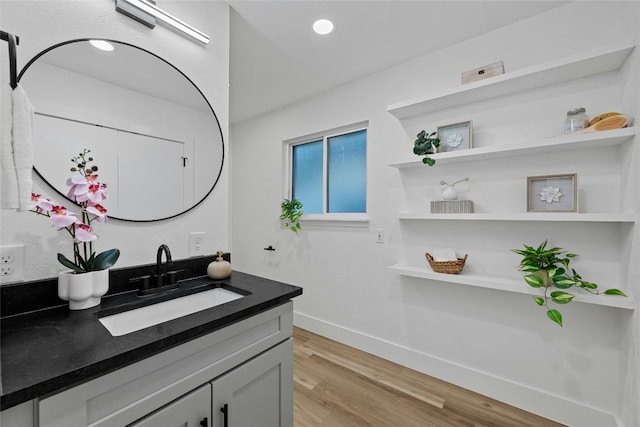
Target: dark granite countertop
{"x":49,"y":350}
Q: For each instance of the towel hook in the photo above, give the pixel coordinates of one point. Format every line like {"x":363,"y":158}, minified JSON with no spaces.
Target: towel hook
{"x":13,"y":41}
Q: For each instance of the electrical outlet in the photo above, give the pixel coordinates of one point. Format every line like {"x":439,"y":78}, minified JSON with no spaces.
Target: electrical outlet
{"x":379,"y":235}
{"x":11,"y":263}
{"x":196,"y":243}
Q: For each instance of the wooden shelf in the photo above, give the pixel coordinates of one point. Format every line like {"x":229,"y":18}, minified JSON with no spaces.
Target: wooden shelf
{"x":550,"y":73}
{"x":525,"y":216}
{"x":566,"y":142}
{"x":504,"y":284}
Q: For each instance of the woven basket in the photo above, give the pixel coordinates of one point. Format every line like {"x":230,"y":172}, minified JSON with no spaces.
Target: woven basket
{"x":449,"y":267}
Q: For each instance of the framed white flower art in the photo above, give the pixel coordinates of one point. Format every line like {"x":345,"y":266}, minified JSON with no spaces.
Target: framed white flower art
{"x":552,"y":193}
{"x":455,"y":137}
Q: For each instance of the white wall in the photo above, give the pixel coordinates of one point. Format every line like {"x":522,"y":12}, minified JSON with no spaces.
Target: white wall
{"x":496,"y":343}
{"x":630,"y":363}
{"x":41,"y":24}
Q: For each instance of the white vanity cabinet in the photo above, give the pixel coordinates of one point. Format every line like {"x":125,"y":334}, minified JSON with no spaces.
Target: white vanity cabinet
{"x":247,"y":366}
{"x":257,"y":393}
{"x":18,"y":416}
{"x":192,"y":410}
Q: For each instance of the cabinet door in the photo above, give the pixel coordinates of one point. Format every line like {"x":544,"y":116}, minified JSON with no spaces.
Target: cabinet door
{"x":191,"y":410}
{"x":258,"y":393}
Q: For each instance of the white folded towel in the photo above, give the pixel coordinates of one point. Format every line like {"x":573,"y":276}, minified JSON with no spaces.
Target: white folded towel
{"x":17,"y":151}
{"x":447,"y":254}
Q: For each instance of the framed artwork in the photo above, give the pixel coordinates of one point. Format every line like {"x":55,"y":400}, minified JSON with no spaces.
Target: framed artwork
{"x":552,"y":193}
{"x":455,"y":137}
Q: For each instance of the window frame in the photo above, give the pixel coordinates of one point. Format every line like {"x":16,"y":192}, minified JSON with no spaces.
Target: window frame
{"x":338,"y":219}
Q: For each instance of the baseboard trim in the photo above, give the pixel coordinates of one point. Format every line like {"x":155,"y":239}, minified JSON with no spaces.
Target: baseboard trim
{"x":536,"y":401}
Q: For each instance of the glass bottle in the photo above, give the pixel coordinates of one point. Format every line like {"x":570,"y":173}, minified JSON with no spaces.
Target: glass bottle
{"x":576,"y":120}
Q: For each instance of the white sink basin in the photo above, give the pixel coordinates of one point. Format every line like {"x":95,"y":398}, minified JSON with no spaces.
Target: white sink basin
{"x":140,"y":318}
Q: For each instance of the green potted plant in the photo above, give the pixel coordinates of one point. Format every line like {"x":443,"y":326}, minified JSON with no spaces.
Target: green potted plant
{"x":291,"y":213}
{"x":426,"y":143}
{"x":548,"y":268}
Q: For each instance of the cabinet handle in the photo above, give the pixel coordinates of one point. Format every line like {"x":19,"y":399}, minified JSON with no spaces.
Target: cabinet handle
{"x":204,"y":422}
{"x":225,"y":411}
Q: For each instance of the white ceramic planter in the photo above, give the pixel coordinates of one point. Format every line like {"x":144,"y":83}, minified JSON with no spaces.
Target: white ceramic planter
{"x":83,"y":290}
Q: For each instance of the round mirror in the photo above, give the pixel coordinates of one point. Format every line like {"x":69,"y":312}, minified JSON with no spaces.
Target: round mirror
{"x":153,"y":135}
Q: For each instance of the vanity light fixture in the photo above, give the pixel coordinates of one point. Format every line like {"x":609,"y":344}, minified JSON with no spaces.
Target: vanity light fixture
{"x":149,"y":8}
{"x":323,"y":26}
{"x":102,"y":45}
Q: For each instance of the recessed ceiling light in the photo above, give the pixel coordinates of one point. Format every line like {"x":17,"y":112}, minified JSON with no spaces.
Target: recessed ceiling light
{"x":323,"y":26}
{"x":102,"y":45}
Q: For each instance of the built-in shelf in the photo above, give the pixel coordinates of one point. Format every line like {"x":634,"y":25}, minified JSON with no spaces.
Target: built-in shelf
{"x":525,"y":216}
{"x":568,"y":142}
{"x":562,"y":70}
{"x":550,"y":73}
{"x":506,"y":284}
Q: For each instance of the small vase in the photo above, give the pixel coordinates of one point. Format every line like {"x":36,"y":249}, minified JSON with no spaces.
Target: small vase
{"x":83,"y":290}
{"x":450,"y":193}
{"x":433,"y":149}
{"x":219,"y":269}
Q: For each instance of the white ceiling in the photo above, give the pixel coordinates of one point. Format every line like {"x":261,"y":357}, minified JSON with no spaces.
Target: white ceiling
{"x":276,"y":59}
{"x":166,"y":82}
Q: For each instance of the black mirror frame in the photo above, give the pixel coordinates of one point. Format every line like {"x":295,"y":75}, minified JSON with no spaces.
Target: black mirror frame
{"x":50,"y":48}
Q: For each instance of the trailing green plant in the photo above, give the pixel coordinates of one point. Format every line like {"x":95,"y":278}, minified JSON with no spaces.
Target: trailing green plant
{"x":426,"y":143}
{"x":291,"y":213}
{"x":549,"y":268}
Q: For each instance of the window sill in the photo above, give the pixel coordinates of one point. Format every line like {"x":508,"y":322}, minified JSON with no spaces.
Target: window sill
{"x":336,"y":220}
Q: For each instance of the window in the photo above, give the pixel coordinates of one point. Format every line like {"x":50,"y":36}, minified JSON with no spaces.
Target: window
{"x":328,"y":173}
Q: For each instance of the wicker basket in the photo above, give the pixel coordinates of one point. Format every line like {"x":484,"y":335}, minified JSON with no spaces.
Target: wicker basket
{"x":449,"y":267}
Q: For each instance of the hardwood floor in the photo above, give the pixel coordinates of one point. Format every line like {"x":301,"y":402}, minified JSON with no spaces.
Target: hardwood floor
{"x":339,"y":386}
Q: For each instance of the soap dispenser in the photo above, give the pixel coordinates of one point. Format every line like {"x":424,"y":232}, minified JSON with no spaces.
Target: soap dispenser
{"x":219,"y":269}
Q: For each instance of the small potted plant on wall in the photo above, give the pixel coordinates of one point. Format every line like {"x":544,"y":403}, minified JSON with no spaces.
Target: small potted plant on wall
{"x":549,"y":268}
{"x":291,"y":213}
{"x":426,"y":143}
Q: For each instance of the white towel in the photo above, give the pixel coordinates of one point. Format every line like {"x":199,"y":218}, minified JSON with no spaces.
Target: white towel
{"x":23,"y":145}
{"x":17,"y":152}
{"x":9,"y":181}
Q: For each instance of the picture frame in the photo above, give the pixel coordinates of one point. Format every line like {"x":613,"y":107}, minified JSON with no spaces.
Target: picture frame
{"x":552,"y":193}
{"x":456,"y":137}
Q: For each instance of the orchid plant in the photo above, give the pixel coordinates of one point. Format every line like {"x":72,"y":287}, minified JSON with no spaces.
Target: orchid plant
{"x":88,"y":193}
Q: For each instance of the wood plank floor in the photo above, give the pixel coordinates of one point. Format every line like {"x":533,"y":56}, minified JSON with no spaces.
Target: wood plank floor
{"x":339,"y":386}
